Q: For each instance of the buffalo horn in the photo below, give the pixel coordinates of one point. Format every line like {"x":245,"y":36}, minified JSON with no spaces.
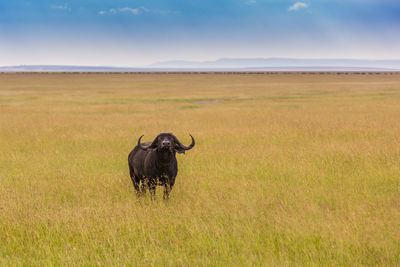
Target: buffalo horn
{"x":186,"y":147}
{"x":140,"y":144}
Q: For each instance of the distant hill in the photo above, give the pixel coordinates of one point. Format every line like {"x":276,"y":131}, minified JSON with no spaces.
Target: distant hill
{"x":231,"y":64}
{"x":62,"y":68}
{"x":284,"y":63}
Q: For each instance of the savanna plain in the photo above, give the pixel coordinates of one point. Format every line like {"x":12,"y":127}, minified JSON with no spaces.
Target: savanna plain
{"x":288,"y":169}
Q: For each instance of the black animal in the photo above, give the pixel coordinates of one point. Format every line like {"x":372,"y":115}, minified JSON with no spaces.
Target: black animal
{"x":153,"y":164}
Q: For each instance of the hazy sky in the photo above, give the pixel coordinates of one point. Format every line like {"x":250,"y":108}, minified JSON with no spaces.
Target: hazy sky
{"x":139,"y":32}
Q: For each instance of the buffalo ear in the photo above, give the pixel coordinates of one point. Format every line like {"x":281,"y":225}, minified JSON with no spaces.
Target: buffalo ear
{"x":179,"y":149}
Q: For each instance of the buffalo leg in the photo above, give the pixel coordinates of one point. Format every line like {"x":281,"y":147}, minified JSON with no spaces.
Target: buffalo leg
{"x":152,"y":189}
{"x":167,"y":189}
{"x":143,"y":188}
{"x":135,"y":180}
{"x":136,"y":186}
{"x":168,"y":186}
{"x":171,"y":182}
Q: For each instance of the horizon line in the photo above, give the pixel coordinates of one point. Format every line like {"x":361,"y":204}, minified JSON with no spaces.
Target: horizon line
{"x":194,"y":61}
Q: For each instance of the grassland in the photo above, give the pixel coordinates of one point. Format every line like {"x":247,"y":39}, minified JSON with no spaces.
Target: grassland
{"x":287,"y":170}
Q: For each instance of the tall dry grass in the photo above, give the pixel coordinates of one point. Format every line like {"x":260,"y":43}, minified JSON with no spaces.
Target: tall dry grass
{"x":287,"y":170}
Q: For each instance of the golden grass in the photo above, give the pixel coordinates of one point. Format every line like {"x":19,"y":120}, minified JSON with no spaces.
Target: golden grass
{"x":287,"y":170}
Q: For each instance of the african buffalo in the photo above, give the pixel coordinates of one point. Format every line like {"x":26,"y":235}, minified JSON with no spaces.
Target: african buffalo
{"x":155,"y":163}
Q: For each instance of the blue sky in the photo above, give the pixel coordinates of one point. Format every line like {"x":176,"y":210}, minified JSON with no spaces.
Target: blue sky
{"x":139,"y":32}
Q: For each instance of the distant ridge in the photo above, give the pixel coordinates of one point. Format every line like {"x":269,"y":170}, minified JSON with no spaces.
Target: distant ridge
{"x":229,"y":64}
{"x":285,"y":63}
{"x":28,"y":68}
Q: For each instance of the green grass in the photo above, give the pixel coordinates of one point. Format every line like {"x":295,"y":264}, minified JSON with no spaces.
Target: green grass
{"x":287,"y":170}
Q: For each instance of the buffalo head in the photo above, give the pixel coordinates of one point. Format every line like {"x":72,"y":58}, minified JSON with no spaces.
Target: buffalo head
{"x":166,"y":142}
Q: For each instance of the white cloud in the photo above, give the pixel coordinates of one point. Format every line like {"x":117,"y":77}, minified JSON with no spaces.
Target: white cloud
{"x":129,"y":10}
{"x":61,"y":7}
{"x":251,"y":2}
{"x":134,"y":11}
{"x":297,"y":6}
